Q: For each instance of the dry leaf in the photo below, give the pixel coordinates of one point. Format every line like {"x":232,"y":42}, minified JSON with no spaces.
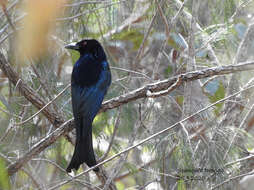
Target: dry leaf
{"x":38,"y":23}
{"x":3,"y":3}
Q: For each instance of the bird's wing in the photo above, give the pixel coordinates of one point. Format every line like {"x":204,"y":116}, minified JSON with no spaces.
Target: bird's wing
{"x":86,"y":101}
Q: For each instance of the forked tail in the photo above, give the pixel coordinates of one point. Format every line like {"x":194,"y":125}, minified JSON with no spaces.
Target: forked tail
{"x":83,"y":150}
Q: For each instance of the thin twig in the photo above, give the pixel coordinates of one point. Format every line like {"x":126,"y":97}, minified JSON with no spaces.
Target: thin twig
{"x":39,"y":146}
{"x":8,"y":17}
{"x":130,"y":71}
{"x":46,"y":105}
{"x":148,"y":164}
{"x":116,"y":125}
{"x":141,"y":47}
{"x":188,"y":17}
{"x":240,"y":127}
{"x":113,"y":103}
{"x":239,"y":160}
{"x":152,"y":136}
{"x":31,"y":95}
{"x":123,"y":157}
{"x":86,"y":184}
{"x":11,"y":6}
{"x":164,"y":19}
{"x":88,"y":11}
{"x":165,"y":84}
{"x":230,"y":179}
{"x":174,"y":19}
{"x":86,"y":2}
{"x":37,"y":185}
{"x":238,"y":9}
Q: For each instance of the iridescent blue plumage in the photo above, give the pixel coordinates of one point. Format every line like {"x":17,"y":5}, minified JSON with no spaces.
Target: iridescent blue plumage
{"x":90,"y":80}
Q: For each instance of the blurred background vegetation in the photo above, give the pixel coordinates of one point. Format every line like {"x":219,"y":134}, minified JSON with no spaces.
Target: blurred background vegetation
{"x":145,"y":41}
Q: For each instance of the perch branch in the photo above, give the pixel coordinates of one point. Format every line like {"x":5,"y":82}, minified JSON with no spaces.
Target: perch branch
{"x":56,"y":119}
{"x":28,"y":92}
{"x":40,"y":146}
{"x":151,"y":137}
{"x":166,"y":84}
{"x":156,"y":87}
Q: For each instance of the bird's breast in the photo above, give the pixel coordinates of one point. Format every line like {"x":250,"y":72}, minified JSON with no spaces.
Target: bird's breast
{"x":86,"y":74}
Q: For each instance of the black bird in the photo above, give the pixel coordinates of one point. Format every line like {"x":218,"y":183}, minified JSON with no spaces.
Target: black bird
{"x":90,"y":80}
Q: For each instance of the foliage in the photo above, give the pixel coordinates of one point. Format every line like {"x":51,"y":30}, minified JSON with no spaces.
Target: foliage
{"x":4,"y":178}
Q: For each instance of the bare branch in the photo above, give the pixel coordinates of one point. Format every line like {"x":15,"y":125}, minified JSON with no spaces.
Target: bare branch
{"x":28,"y":92}
{"x":5,"y":11}
{"x":116,"y":125}
{"x":165,"y":84}
{"x":232,"y":178}
{"x":151,"y":137}
{"x":34,"y":98}
{"x":88,"y":11}
{"x":40,"y":146}
{"x":46,"y":105}
{"x":37,"y":185}
{"x":140,"y":168}
{"x":51,"y":115}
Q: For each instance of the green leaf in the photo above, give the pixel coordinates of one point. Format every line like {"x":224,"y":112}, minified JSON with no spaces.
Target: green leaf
{"x":179,"y":100}
{"x":132,"y":35}
{"x":100,"y":122}
{"x":168,"y":71}
{"x":127,"y":119}
{"x":228,"y":9}
{"x":120,"y":186}
{"x":131,"y":167}
{"x":4,"y":178}
{"x":74,"y":56}
{"x":181,"y":185}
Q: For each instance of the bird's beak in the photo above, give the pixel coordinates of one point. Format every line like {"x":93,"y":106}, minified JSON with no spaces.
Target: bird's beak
{"x":72,"y":46}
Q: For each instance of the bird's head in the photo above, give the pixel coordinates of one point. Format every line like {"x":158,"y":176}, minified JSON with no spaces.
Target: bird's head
{"x":88,"y":46}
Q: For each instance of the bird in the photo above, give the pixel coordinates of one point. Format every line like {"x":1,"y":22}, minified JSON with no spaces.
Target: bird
{"x":90,"y":80}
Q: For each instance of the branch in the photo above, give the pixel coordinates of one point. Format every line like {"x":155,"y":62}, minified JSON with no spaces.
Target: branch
{"x":7,"y":16}
{"x":156,"y":87}
{"x":40,"y":146}
{"x":142,"y":92}
{"x":151,"y":137}
{"x":57,"y":120}
{"x":140,"y":168}
{"x":231,"y":179}
{"x":28,"y":92}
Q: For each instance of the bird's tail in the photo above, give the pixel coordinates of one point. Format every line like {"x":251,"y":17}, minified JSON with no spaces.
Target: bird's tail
{"x":83,"y":149}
